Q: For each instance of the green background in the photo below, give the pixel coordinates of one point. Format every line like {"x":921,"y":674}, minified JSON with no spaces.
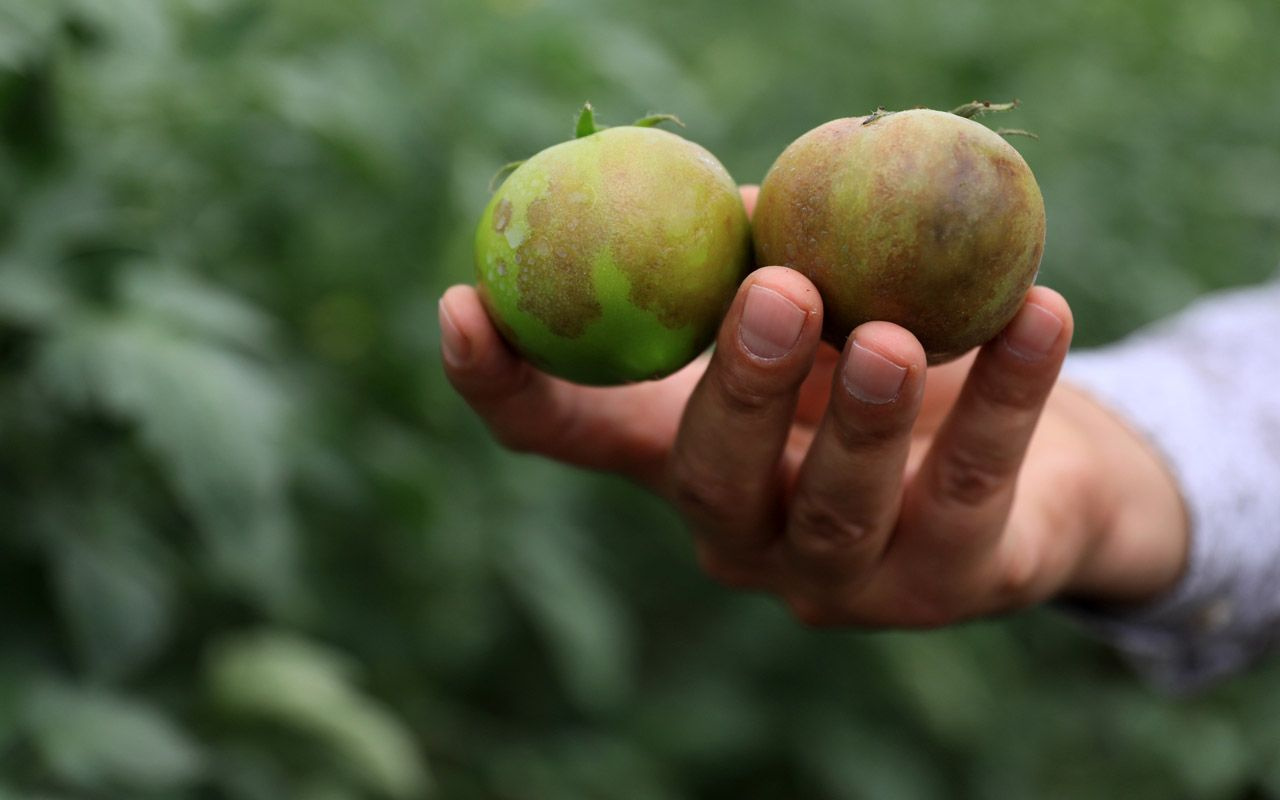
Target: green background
{"x":252,"y":546}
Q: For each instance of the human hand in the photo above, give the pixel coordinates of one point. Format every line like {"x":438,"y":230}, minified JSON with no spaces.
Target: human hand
{"x":860,"y":487}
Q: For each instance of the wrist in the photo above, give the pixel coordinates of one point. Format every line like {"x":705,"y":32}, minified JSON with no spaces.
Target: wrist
{"x":1137,"y":540}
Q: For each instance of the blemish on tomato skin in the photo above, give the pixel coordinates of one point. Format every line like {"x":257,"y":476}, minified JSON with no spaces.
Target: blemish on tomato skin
{"x":554,"y":281}
{"x":913,"y":253}
{"x":502,"y":215}
{"x":650,"y":260}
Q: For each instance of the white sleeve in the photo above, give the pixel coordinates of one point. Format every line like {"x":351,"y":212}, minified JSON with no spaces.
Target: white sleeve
{"x":1204,"y":387}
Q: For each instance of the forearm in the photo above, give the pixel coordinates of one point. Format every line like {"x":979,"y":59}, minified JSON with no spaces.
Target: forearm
{"x":1201,"y":390}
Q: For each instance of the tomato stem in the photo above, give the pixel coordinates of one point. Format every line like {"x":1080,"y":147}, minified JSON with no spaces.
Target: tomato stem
{"x":879,"y":113}
{"x":979,"y":107}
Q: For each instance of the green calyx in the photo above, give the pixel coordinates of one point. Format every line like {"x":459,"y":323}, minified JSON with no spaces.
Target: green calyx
{"x":1007,"y":132}
{"x":502,"y":173}
{"x":970,"y":110}
{"x":585,"y":126}
{"x":588,"y":125}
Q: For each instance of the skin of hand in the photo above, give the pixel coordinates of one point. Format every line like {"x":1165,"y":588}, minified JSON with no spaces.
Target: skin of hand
{"x":860,"y":487}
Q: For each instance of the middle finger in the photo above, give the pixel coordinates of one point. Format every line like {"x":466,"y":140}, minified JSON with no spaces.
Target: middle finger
{"x":850,"y":486}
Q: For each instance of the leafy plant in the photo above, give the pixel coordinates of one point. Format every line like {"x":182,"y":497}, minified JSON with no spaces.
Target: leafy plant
{"x":251,"y":545}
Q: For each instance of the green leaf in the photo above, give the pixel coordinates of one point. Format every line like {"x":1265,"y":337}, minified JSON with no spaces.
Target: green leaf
{"x":13,"y":681}
{"x":29,"y":297}
{"x":325,"y":93}
{"x":941,"y":678}
{"x":115,"y":600}
{"x":214,"y":418}
{"x":852,"y":759}
{"x":14,"y":794}
{"x":173,"y":297}
{"x":91,"y":737}
{"x":26,"y":28}
{"x":141,"y":27}
{"x":578,"y":765}
{"x":583,"y":623}
{"x":277,"y":677}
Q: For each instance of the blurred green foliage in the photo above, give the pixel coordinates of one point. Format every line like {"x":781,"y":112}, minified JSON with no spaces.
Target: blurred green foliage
{"x":252,"y":547}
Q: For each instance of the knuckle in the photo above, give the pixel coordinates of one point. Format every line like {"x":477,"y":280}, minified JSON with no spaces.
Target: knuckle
{"x":1010,"y":392}
{"x":1017,"y":579}
{"x":702,"y":492}
{"x":818,"y":529}
{"x":970,"y":479}
{"x":742,"y":396}
{"x":498,"y":387}
{"x":868,"y":429}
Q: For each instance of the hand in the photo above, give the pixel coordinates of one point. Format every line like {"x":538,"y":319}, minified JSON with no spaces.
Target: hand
{"x":859,"y":487}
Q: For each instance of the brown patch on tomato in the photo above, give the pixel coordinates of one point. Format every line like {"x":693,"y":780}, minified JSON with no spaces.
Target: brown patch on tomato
{"x":1037,"y":254}
{"x":948,"y":258}
{"x":502,"y":215}
{"x":1009,"y":170}
{"x":656,"y":185}
{"x":1009,"y":238}
{"x":953,"y":225}
{"x":554,"y":278}
{"x":812,"y":227}
{"x":898,"y":244}
{"x":946,"y":274}
{"x":801,"y":228}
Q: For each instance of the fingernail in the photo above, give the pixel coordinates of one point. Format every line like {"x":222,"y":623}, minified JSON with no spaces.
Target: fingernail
{"x":454,"y":343}
{"x":1033,"y":332}
{"x":871,"y":377}
{"x":771,"y":323}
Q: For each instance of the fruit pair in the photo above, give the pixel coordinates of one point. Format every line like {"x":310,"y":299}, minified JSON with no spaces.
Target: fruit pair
{"x":612,"y":257}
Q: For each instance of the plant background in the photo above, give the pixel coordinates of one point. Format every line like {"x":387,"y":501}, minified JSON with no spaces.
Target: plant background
{"x":251,"y":545}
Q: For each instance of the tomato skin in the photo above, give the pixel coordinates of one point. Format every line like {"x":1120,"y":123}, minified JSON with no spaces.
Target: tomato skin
{"x":921,"y":218}
{"x":611,"y":258}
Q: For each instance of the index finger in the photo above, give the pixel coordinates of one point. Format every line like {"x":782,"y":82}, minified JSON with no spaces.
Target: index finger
{"x":625,"y":429}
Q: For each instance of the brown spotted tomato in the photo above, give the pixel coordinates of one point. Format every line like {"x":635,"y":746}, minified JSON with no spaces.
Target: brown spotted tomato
{"x":612,"y":257}
{"x":923,"y":218}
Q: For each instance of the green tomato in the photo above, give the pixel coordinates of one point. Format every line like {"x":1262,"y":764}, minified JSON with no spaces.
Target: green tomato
{"x":611,"y":258}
